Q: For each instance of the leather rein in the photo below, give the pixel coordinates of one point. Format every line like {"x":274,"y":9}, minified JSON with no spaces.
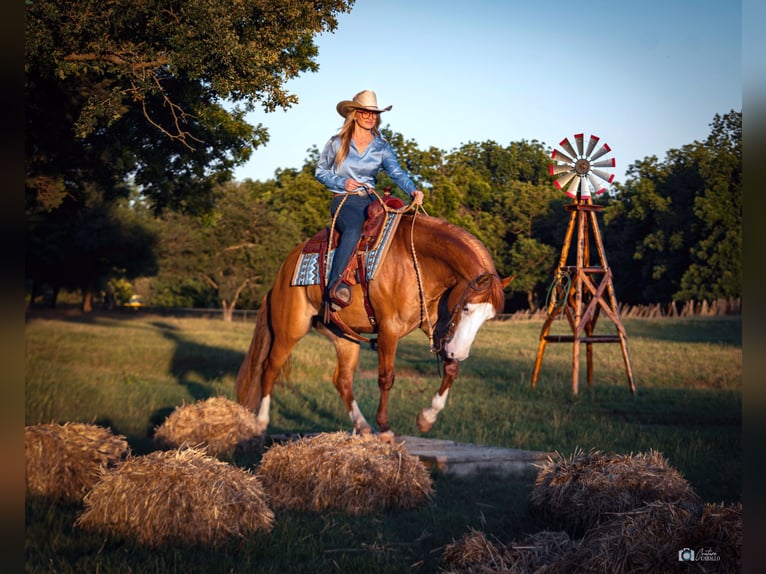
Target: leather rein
{"x":478,"y":284}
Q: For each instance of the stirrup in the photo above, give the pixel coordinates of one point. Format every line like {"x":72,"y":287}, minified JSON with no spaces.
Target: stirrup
{"x":339,"y":295}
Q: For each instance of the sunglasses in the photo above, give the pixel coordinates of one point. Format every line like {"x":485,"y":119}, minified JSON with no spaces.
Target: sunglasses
{"x":367,"y":113}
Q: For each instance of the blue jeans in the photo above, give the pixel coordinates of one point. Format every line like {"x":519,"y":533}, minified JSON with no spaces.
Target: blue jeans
{"x":349,"y":225}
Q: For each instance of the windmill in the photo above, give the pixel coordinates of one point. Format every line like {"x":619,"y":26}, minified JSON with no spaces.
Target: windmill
{"x":580,"y":168}
{"x":584,"y":290}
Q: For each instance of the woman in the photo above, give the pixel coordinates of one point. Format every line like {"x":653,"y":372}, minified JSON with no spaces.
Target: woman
{"x":348,"y":166}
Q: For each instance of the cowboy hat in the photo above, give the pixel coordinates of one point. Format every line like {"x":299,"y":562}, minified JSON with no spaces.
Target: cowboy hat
{"x":364,"y":100}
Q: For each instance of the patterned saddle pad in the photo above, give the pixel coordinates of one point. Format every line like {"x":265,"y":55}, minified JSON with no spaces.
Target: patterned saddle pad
{"x":310,"y":266}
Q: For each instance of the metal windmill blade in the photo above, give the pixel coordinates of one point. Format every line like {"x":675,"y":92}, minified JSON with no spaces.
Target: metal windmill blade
{"x":577,"y":168}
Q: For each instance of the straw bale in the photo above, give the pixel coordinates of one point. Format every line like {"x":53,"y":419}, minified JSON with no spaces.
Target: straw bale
{"x":220,"y":426}
{"x":578,"y":490}
{"x":648,"y":539}
{"x":349,"y":473}
{"x":475,"y":554}
{"x":176,"y":497}
{"x":472,"y":553}
{"x":63,"y":461}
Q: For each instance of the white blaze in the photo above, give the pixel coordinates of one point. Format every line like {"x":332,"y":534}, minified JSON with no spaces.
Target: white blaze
{"x":473,"y":317}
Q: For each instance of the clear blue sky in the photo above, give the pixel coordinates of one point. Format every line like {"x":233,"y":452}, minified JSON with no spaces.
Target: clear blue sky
{"x":645,"y":76}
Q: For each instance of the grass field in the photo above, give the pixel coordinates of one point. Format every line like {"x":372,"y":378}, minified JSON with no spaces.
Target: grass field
{"x":130,"y":371}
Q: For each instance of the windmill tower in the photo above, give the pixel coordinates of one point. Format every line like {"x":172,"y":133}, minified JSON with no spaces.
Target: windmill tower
{"x":582,"y":289}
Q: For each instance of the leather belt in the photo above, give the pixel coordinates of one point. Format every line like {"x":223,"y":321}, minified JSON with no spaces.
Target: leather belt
{"x":360,"y":192}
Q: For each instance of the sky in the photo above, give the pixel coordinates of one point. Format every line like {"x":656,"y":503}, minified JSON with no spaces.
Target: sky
{"x":645,"y":77}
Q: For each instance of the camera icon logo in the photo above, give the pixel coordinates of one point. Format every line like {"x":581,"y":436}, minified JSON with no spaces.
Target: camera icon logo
{"x":686,"y":555}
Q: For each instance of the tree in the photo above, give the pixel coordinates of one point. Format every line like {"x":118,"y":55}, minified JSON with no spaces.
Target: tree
{"x":154,"y":93}
{"x":298,"y":196}
{"x":535,"y":259}
{"x":235,"y":251}
{"x":716,"y":268}
{"x":83,"y":250}
{"x":675,"y":226}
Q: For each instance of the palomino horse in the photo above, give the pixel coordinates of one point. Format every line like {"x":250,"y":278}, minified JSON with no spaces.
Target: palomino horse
{"x":460,"y":290}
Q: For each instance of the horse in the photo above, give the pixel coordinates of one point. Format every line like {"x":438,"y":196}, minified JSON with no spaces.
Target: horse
{"x":436,"y":276}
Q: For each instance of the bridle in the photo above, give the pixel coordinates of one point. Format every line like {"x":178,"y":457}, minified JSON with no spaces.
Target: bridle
{"x":478,"y":284}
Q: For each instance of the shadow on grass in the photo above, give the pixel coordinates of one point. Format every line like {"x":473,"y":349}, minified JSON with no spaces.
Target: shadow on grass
{"x":397,"y":541}
{"x":725,"y":331}
{"x":206,"y":362}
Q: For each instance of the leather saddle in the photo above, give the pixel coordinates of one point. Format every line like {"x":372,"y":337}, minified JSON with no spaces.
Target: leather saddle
{"x":371,"y":236}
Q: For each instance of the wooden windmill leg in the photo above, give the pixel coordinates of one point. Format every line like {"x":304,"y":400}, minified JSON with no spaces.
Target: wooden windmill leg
{"x":541,"y":350}
{"x":589,"y":353}
{"x":551,"y":311}
{"x":613,"y":304}
{"x":590,"y":324}
{"x":581,"y":243}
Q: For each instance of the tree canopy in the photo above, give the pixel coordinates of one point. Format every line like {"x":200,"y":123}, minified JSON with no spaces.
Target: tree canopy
{"x":135,"y":119}
{"x":674,"y":229}
{"x":151,"y":95}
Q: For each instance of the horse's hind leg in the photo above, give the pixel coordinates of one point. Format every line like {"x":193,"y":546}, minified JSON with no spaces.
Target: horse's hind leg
{"x":343,"y":378}
{"x":290,"y":322}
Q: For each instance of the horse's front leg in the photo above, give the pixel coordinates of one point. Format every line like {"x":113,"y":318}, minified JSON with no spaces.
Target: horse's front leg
{"x":427,"y":417}
{"x":386,"y":354}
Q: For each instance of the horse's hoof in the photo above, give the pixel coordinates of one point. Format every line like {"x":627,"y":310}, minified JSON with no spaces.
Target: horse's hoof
{"x":387,"y":437}
{"x":424,"y":425}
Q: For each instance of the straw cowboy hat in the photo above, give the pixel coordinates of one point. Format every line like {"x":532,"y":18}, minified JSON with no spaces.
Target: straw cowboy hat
{"x":364,"y":100}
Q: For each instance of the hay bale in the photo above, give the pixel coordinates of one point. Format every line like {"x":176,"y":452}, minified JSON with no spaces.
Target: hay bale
{"x":64,"y":461}
{"x":338,"y":471}
{"x":649,"y":539}
{"x":578,"y":490}
{"x":176,"y":497}
{"x":540,"y":552}
{"x":474,"y":554}
{"x":220,"y":426}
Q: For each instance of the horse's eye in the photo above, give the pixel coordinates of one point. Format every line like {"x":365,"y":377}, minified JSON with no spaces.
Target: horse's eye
{"x":466,"y":310}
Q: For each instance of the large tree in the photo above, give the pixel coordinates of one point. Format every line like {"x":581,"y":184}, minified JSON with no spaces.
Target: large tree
{"x":154,"y":92}
{"x":674,"y":228}
{"x":235,"y":250}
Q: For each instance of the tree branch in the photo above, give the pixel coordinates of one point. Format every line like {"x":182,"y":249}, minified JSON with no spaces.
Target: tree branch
{"x":117,"y":59}
{"x":239,"y":246}
{"x":176,"y":111}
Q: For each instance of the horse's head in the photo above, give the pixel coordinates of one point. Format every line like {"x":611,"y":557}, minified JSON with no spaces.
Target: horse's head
{"x":480,"y":299}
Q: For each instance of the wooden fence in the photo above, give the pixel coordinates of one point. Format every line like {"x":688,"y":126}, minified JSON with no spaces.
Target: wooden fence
{"x":716,"y":308}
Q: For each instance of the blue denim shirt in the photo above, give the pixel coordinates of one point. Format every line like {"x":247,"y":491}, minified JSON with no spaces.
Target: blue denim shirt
{"x":363,"y":168}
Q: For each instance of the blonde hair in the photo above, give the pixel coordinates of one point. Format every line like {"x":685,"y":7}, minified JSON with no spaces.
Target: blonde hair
{"x":345,"y":134}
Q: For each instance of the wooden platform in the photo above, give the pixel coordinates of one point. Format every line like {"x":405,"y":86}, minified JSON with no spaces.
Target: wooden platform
{"x":457,"y":458}
{"x":465,"y":459}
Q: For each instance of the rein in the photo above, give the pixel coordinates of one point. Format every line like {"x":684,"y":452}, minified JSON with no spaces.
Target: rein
{"x":416,"y":263}
{"x":409,"y":207}
{"x":479,"y":283}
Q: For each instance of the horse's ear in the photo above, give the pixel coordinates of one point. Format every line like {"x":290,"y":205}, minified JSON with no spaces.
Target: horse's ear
{"x":507,"y":281}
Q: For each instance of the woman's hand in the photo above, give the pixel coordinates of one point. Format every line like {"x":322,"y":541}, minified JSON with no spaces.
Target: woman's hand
{"x":417,"y":197}
{"x":352,"y":185}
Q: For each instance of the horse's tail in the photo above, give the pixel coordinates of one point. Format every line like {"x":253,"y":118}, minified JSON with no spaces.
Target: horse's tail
{"x":248,"y":385}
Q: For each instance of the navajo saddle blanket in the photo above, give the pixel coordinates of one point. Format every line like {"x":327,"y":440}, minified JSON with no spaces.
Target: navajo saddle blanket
{"x":379,"y":228}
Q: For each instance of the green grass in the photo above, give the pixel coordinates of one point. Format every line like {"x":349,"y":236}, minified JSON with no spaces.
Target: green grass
{"x":130,"y":371}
